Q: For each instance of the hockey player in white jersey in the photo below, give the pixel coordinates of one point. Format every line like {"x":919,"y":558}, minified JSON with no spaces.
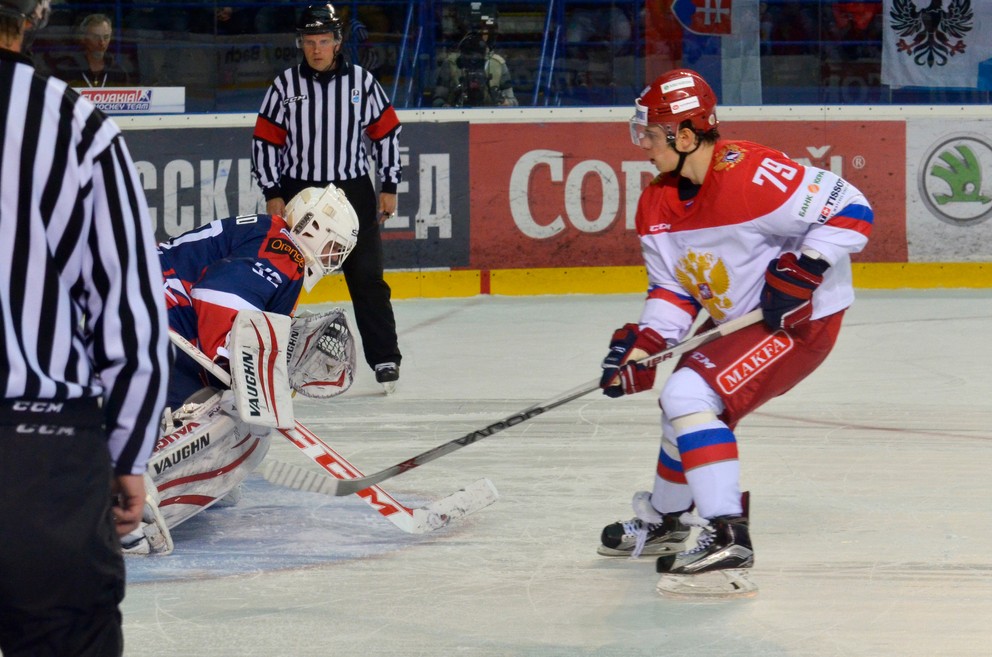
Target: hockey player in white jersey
{"x":727,"y":226}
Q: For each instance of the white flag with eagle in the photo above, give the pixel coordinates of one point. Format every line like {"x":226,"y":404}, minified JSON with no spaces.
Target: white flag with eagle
{"x":935,"y":43}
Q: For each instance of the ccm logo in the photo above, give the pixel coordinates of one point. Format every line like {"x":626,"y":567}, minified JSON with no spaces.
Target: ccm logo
{"x":767,"y":352}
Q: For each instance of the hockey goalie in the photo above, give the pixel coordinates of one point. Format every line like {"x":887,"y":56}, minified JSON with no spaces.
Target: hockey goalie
{"x":231,"y":287}
{"x":211,"y":443}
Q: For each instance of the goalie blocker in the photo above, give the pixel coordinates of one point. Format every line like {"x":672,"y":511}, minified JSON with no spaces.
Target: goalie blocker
{"x":313,"y":354}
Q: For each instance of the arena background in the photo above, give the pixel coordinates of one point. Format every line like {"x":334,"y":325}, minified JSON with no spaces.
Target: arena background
{"x":541,"y":200}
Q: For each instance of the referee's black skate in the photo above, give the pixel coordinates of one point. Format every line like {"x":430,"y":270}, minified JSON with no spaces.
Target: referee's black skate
{"x":387,"y":374}
{"x":716,"y":567}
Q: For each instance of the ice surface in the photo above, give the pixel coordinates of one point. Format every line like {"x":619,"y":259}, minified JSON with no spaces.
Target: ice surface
{"x":870,"y":505}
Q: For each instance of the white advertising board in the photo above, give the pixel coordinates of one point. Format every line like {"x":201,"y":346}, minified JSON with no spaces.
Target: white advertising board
{"x":137,"y":100}
{"x":949,"y":190}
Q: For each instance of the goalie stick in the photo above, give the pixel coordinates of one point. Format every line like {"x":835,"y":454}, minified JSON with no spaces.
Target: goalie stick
{"x":349,"y":486}
{"x":472,"y":498}
{"x":417,"y":520}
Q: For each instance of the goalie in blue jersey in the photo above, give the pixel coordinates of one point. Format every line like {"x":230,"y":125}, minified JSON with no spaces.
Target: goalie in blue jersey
{"x":232,"y":287}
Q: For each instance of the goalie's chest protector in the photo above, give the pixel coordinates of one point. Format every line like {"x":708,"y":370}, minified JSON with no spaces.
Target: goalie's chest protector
{"x":272,"y":269}
{"x":717,"y":244}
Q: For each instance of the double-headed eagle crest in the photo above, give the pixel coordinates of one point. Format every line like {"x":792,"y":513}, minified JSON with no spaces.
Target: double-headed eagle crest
{"x":931,"y":35}
{"x":705,"y":277}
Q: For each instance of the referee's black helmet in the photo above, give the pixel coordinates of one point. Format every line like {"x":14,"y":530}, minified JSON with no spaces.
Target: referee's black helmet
{"x":315,"y":19}
{"x":34,"y":11}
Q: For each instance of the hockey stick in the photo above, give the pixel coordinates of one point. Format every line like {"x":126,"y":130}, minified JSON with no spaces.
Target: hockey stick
{"x":418,"y":520}
{"x":349,"y":486}
{"x":472,"y":498}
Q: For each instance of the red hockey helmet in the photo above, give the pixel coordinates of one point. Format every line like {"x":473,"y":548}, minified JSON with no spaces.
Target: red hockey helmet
{"x":677,"y":96}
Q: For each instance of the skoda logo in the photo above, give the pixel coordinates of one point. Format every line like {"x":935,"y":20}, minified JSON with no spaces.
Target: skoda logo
{"x":956,"y":180}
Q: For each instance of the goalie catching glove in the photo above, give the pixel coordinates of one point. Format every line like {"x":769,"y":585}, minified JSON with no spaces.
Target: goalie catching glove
{"x":629,"y":343}
{"x":787,"y":298}
{"x":321,"y":353}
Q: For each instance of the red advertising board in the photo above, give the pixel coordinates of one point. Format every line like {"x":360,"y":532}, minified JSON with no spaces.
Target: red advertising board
{"x":564,"y":194}
{"x":869,"y":154}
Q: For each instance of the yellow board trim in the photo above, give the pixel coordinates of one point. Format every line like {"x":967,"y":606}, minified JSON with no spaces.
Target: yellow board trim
{"x":622,"y":280}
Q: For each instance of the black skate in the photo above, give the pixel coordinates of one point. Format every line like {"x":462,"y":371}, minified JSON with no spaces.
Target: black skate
{"x":716,"y":566}
{"x":387,"y":374}
{"x":637,"y":537}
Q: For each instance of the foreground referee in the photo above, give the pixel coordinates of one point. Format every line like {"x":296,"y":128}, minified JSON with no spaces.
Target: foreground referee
{"x":83,"y":362}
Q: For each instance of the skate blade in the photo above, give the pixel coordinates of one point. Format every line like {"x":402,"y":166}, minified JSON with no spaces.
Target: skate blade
{"x":389,"y":387}
{"x":715,"y":585}
{"x":653,"y":551}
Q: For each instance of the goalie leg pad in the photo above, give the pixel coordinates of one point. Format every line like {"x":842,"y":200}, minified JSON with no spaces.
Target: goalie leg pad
{"x":203,"y":460}
{"x":259,"y":376}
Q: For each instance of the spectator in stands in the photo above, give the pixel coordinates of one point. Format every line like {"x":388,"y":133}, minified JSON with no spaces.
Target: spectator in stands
{"x":794,"y":29}
{"x":362,"y":51}
{"x":92,"y":65}
{"x":275,"y":18}
{"x":593,"y":24}
{"x":160,"y":15}
{"x":224,"y":20}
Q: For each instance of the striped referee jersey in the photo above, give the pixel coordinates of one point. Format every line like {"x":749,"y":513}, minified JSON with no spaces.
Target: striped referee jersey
{"x":311,"y":128}
{"x":83,"y":310}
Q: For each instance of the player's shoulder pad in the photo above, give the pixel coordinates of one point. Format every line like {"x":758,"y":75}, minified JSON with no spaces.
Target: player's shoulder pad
{"x":745,"y":165}
{"x":652,"y":208}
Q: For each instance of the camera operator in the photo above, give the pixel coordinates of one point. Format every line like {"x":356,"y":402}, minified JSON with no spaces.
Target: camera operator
{"x":473,"y":76}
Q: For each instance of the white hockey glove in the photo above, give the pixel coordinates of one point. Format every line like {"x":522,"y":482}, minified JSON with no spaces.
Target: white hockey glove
{"x":321,"y":352}
{"x":152,"y":536}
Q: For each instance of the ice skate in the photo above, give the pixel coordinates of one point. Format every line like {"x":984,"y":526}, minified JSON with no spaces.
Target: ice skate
{"x":649,"y":533}
{"x":636,"y":537}
{"x":387,"y":374}
{"x":716,"y":567}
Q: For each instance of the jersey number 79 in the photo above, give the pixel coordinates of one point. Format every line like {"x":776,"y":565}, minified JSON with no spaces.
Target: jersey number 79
{"x":770,"y":170}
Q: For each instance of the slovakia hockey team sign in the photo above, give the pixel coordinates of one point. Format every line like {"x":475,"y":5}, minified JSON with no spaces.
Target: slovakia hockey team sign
{"x":137,"y":100}
{"x":711,"y":17}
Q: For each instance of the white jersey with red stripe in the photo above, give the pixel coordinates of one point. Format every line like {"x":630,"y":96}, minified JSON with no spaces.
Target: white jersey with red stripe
{"x":711,"y":251}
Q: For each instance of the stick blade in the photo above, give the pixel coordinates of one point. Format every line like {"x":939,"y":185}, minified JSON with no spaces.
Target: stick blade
{"x":472,"y":498}
{"x":293,"y":476}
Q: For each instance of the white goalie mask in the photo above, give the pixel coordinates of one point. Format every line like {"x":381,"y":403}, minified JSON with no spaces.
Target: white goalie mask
{"x":325,"y":227}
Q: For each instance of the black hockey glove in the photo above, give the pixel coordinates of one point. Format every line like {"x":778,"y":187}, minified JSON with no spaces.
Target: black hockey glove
{"x":787,"y":298}
{"x":623,"y":378}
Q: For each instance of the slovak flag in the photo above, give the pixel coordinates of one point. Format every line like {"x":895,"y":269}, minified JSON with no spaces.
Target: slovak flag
{"x":711,"y":17}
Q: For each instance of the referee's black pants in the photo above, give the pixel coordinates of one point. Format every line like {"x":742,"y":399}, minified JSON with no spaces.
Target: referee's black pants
{"x":61,"y":569}
{"x":370,"y":294}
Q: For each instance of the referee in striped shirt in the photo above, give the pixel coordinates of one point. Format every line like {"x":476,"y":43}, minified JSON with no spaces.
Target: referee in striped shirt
{"x":83,"y":365}
{"x":311,"y":131}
